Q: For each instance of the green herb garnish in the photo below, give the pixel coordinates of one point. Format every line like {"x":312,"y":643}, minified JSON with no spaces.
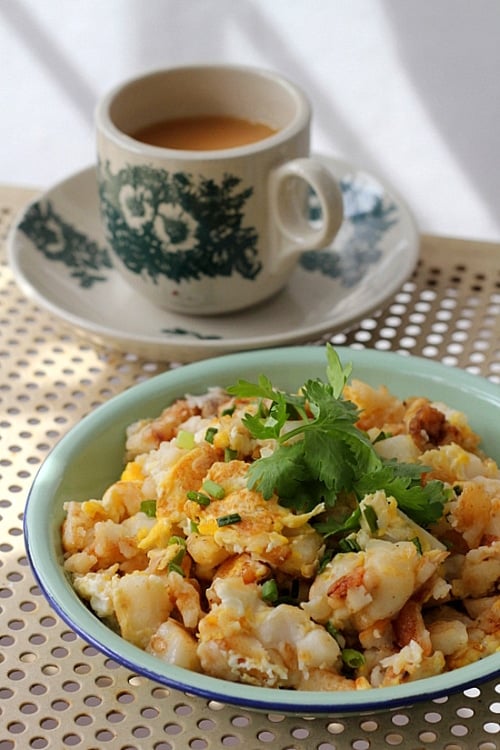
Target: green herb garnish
{"x":352,"y":658}
{"x":229,"y":519}
{"x":333,"y":631}
{"x":210,"y":434}
{"x":185,"y":439}
{"x":177,"y":540}
{"x":198,"y":497}
{"x":269,"y":591}
{"x":175,"y":563}
{"x":149,"y":508}
{"x":213,"y":489}
{"x":349,"y":544}
{"x":175,"y":568}
{"x":325,"y":455}
{"x":416,"y":541}
{"x":370,"y":517}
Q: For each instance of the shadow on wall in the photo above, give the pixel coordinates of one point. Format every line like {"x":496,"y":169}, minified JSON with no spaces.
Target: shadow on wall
{"x":449,"y":60}
{"x":165,"y":33}
{"x":222,"y":19}
{"x":50,"y":56}
{"x":448,"y":64}
{"x":449,"y":52}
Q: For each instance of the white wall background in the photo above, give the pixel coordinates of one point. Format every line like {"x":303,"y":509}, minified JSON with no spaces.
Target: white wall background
{"x":406,"y":89}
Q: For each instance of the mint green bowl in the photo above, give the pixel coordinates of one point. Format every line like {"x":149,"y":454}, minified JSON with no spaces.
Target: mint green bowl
{"x":90,"y":457}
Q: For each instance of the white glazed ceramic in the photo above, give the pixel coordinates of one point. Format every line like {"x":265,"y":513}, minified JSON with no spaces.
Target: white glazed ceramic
{"x":208,"y":232}
{"x":98,"y":442}
{"x":60,"y":259}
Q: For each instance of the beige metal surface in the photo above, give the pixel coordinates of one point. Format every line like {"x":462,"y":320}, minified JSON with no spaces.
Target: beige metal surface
{"x":56,"y":691}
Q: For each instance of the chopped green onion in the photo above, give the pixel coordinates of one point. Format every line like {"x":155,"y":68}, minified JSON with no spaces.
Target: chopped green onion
{"x":352,"y":658}
{"x":229,"y":519}
{"x":229,"y":411}
{"x":325,"y":560}
{"x":210,"y":434}
{"x":332,"y":630}
{"x":185,"y":439}
{"x":193,"y":527}
{"x":213,"y":489}
{"x":178,"y":557}
{"x":230,"y":454}
{"x":417,"y":543}
{"x":149,"y":508}
{"x":198,"y":497}
{"x":174,"y":568}
{"x":269,"y":590}
{"x":349,"y":544}
{"x":370,"y":517}
{"x":177,"y":540}
{"x":336,"y":634}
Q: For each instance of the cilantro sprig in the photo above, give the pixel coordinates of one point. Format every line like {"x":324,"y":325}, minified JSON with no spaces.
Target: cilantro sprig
{"x":423,"y":503}
{"x":321,"y":454}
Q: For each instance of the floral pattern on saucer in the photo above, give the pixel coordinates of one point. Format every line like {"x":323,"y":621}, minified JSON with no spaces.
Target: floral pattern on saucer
{"x":365,"y":209}
{"x":58,"y":254}
{"x":370,"y":217}
{"x":60,"y":242}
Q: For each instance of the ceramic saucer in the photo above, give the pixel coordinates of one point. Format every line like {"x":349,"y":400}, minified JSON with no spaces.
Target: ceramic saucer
{"x":60,"y":260}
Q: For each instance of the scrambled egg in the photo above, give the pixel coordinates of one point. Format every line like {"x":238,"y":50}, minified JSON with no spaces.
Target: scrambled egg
{"x":187,"y":562}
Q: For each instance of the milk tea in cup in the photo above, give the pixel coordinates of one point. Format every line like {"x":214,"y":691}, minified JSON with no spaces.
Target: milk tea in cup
{"x":204,"y":176}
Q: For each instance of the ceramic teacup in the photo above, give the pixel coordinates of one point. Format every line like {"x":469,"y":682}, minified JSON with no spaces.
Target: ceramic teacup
{"x":204,"y":227}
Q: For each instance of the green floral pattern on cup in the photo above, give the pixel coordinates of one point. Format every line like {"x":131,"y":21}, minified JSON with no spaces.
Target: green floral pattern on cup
{"x":173,"y":225}
{"x":367,"y":215}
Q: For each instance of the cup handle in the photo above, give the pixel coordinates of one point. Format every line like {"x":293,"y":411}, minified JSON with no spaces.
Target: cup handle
{"x":288,"y":195}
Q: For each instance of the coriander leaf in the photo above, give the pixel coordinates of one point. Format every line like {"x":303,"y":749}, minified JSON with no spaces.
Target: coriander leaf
{"x":336,"y":374}
{"x":365,"y":457}
{"x":330,"y":459}
{"x":335,"y":449}
{"x":332,"y":455}
{"x":426,"y":505}
{"x":280,"y":473}
{"x":307,"y":495}
{"x":327,"y":410}
{"x":412,"y":472}
{"x":262,"y":389}
{"x":267,"y":422}
{"x":422,"y":503}
{"x":267,"y":426}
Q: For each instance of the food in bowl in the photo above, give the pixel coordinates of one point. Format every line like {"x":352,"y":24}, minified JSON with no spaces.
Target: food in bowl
{"x":338,"y":538}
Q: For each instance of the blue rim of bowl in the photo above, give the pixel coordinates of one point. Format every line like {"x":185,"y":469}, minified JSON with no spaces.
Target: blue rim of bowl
{"x":57,"y":589}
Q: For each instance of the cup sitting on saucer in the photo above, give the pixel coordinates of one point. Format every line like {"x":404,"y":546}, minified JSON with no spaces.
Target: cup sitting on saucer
{"x":204,"y":180}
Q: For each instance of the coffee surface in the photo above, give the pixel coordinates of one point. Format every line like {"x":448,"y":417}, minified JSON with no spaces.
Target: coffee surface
{"x":203,"y":133}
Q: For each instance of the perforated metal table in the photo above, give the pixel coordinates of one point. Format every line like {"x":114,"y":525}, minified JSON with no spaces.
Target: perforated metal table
{"x":58,"y":692}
